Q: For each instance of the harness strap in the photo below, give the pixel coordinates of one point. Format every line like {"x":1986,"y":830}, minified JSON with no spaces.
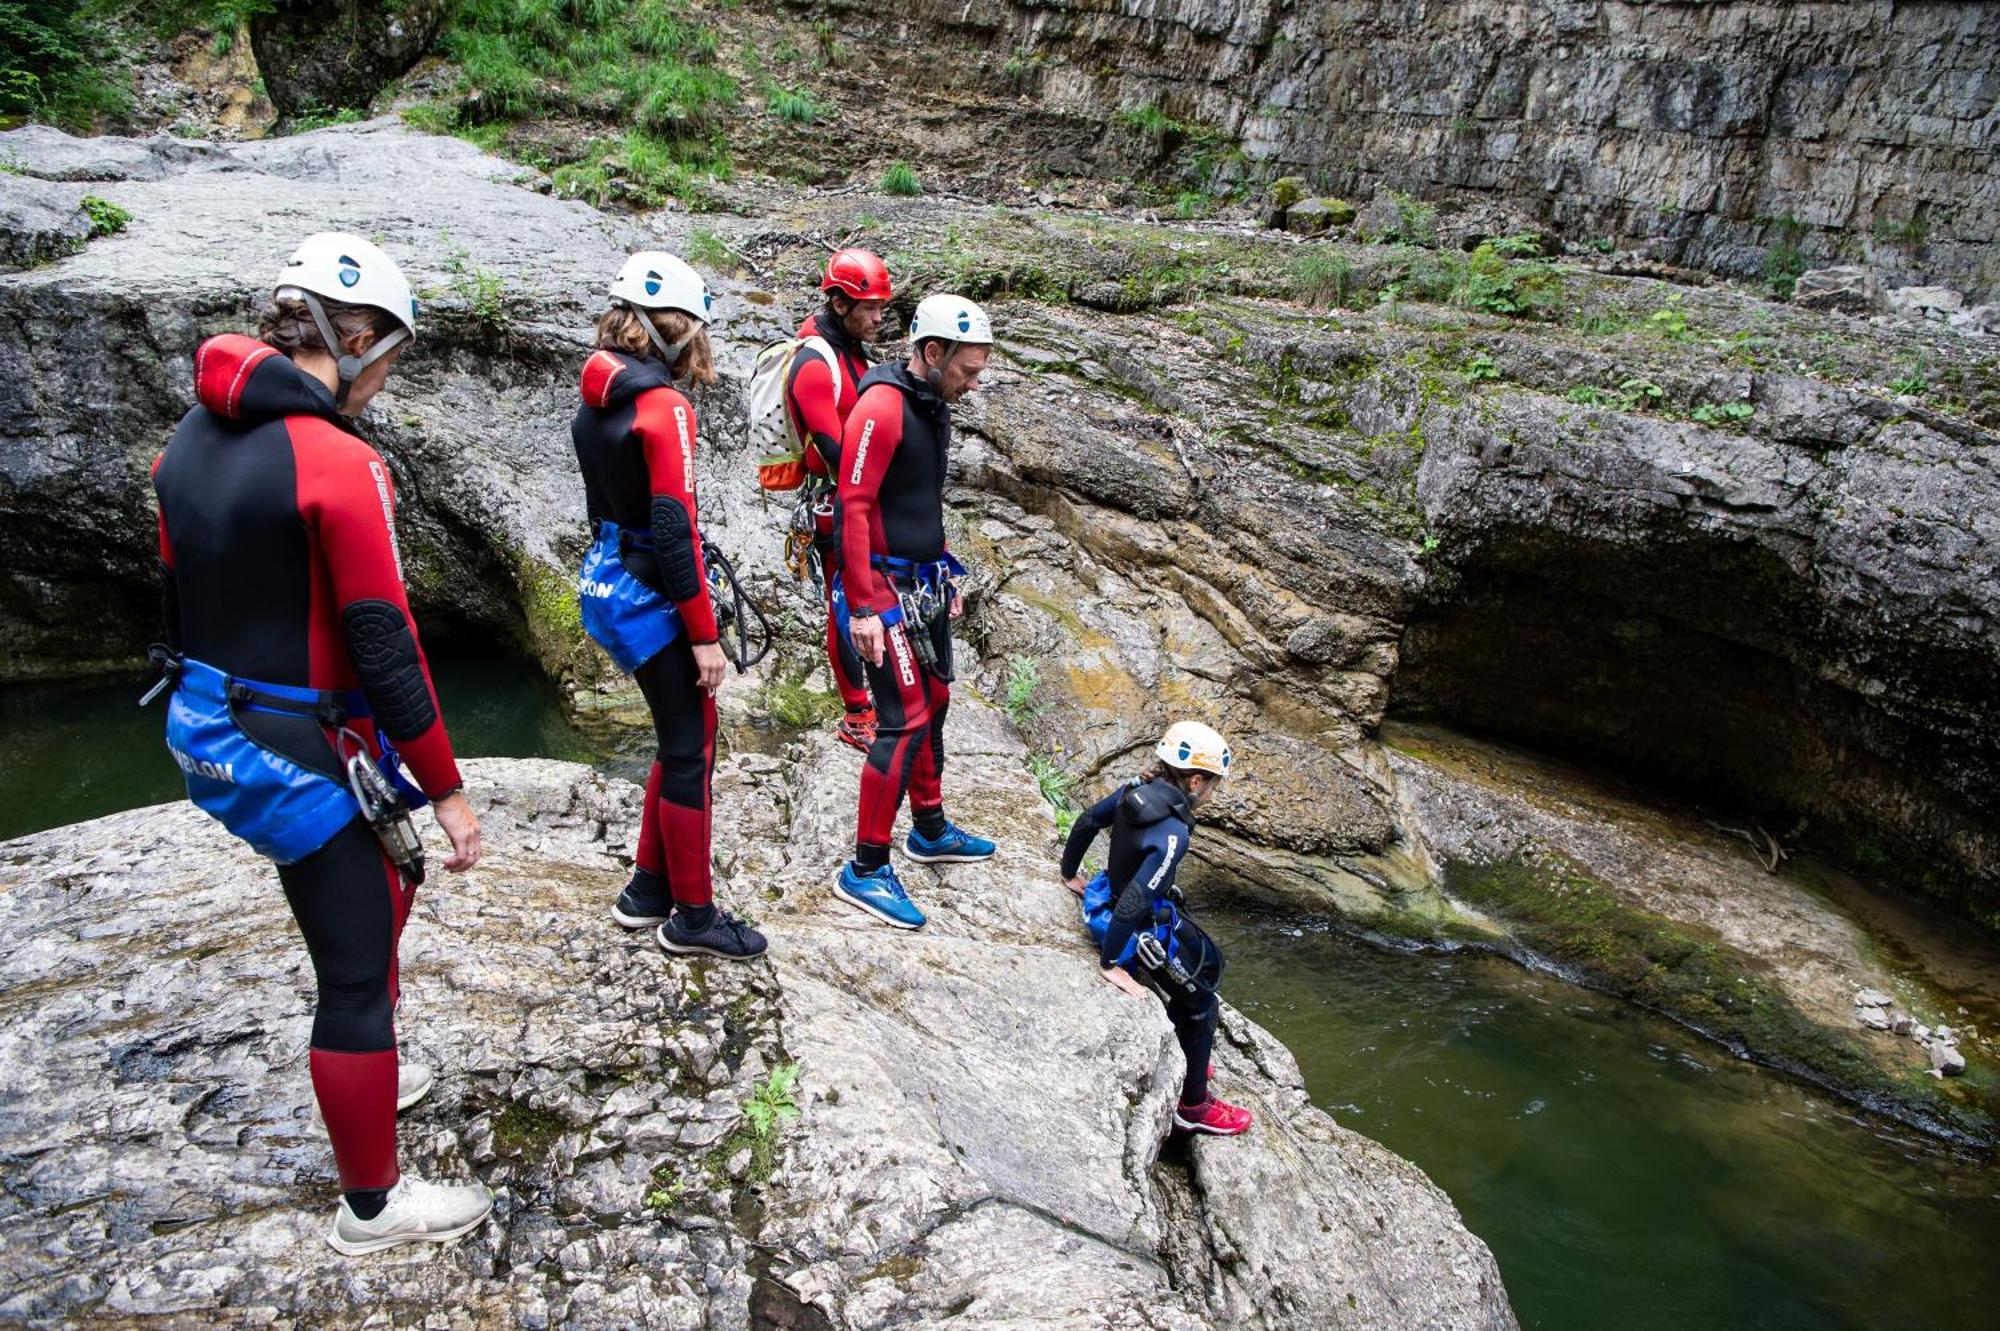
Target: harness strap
{"x":330,"y":707}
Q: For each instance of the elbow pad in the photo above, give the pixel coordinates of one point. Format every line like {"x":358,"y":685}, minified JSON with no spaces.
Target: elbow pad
{"x":673,"y":550}
{"x":392,"y":673}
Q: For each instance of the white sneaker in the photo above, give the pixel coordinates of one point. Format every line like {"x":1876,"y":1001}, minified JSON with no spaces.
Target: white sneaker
{"x":413,"y":1083}
{"x":417,"y":1212}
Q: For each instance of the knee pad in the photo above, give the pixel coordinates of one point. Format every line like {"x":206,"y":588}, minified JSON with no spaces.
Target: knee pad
{"x":355,"y":1018}
{"x":684,"y":779}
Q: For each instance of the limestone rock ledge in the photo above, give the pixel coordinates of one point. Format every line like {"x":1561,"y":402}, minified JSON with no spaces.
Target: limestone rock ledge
{"x":978,"y":1143}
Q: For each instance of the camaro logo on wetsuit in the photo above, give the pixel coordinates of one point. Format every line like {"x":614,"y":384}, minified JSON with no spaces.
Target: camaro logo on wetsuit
{"x":388,"y":513}
{"x":861,"y":452}
{"x":903,"y":668}
{"x":687,"y":447}
{"x":225,"y":772}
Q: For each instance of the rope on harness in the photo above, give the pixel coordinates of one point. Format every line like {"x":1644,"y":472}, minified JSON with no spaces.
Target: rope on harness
{"x":738,"y":620}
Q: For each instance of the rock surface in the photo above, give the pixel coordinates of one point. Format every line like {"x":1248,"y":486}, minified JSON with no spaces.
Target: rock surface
{"x":162,"y":1160}
{"x":325,"y":55}
{"x":1713,"y":132}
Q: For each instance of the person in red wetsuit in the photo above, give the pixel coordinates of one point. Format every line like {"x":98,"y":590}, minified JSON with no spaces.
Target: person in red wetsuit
{"x":898,"y":594}
{"x":644,"y":589}
{"x":292,"y":649}
{"x":819,"y":399}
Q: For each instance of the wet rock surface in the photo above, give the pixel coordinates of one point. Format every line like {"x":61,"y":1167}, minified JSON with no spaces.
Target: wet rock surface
{"x":978,"y":1142}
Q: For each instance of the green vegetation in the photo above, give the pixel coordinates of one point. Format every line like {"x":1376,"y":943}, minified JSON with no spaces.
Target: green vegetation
{"x":1478,"y":368}
{"x":1911,"y":231}
{"x":795,"y":707}
{"x":1782,"y":262}
{"x":706,"y":248}
{"x":1149,"y":119}
{"x":522,"y":1130}
{"x":772,"y":1104}
{"x":1910,"y":383}
{"x":106,"y":217}
{"x":1056,"y":786}
{"x":1495,"y":281}
{"x":1718,"y":413}
{"x":1321,"y":278}
{"x":53,"y":66}
{"x":668,"y":1187}
{"x":1023,"y":678}
{"x":484,"y":292}
{"x":827,"y":47}
{"x":794,"y":106}
{"x":1670,"y":321}
{"x":314,"y":116}
{"x":901,"y":178}
{"x":648,"y":68}
{"x":1633,"y":394}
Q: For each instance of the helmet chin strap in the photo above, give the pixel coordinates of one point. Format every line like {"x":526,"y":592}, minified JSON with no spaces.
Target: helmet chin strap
{"x":670,"y":354}
{"x":934,"y":374}
{"x":346,"y":368}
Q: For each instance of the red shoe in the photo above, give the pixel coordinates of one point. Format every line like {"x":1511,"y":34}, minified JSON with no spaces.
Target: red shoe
{"x":857,"y":729}
{"x":1213,"y":1116}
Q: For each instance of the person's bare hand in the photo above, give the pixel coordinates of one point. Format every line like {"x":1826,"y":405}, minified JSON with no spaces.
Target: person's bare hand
{"x":461,"y":826}
{"x":1120,"y":979}
{"x":957,"y":605}
{"x":710,"y":665}
{"x":869,"y":637}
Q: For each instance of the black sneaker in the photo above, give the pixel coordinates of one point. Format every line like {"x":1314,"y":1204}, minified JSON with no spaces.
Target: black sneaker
{"x":726,"y":937}
{"x":644,"y":903}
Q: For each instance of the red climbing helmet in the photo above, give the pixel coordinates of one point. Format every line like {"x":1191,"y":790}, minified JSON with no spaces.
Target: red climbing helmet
{"x":859,"y":273}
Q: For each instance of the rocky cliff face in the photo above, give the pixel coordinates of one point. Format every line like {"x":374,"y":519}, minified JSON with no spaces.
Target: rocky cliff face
{"x":981,"y":1116}
{"x":1715,"y":130}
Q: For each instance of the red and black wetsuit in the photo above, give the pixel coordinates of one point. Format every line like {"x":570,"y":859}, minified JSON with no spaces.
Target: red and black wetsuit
{"x":278,"y":547}
{"x":635,"y":441}
{"x":818,"y":416}
{"x":893,"y":453}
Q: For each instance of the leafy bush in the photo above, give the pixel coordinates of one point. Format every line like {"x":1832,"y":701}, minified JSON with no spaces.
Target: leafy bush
{"x":483,"y":290}
{"x":706,"y":248}
{"x":1670,"y":320}
{"x":1715,"y":413}
{"x":1635,"y":393}
{"x":901,"y":178}
{"x":1521,"y":289}
{"x":106,"y":217}
{"x":1479,"y":368}
{"x":53,"y":66}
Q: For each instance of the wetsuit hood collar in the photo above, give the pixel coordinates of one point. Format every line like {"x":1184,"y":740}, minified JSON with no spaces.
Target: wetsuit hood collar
{"x":242,"y":379}
{"x":1150,"y":802}
{"x":827,"y":325}
{"x":612,"y":378}
{"x":898,"y":373}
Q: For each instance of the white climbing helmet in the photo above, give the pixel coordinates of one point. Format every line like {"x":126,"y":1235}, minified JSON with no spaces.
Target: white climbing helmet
{"x":346,"y":268}
{"x":1191,"y":746}
{"x":657,"y":280}
{"x":952,"y":318}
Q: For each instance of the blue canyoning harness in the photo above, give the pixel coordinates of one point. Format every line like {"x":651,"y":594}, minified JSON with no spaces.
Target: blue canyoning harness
{"x":923,"y":594}
{"x":1098,"y":902}
{"x":285,"y":810}
{"x":624,"y":616}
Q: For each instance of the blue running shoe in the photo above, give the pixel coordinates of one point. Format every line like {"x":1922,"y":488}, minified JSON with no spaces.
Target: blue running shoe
{"x":879,"y":894}
{"x":956,"y":846}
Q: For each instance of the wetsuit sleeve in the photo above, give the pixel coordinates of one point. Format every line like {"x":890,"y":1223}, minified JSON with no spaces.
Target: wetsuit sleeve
{"x":1088,"y":824}
{"x":1155,"y":874}
{"x":346,"y":496}
{"x":814,"y":408}
{"x":868,"y":441}
{"x":665,"y":423}
{"x":170,"y":590}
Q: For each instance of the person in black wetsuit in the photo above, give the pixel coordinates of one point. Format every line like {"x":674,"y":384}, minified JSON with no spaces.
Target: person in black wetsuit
{"x":644,"y":590}
{"x":1139,"y":916}
{"x":289,"y":633}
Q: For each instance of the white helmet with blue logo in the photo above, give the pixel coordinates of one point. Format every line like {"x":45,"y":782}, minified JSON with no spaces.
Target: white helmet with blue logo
{"x":952,"y":318}
{"x":656,"y":280}
{"x":346,"y":268}
{"x":1191,"y":746}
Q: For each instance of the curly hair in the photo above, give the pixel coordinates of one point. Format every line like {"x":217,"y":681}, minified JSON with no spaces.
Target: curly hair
{"x":619,"y":329}
{"x":288,"y":324}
